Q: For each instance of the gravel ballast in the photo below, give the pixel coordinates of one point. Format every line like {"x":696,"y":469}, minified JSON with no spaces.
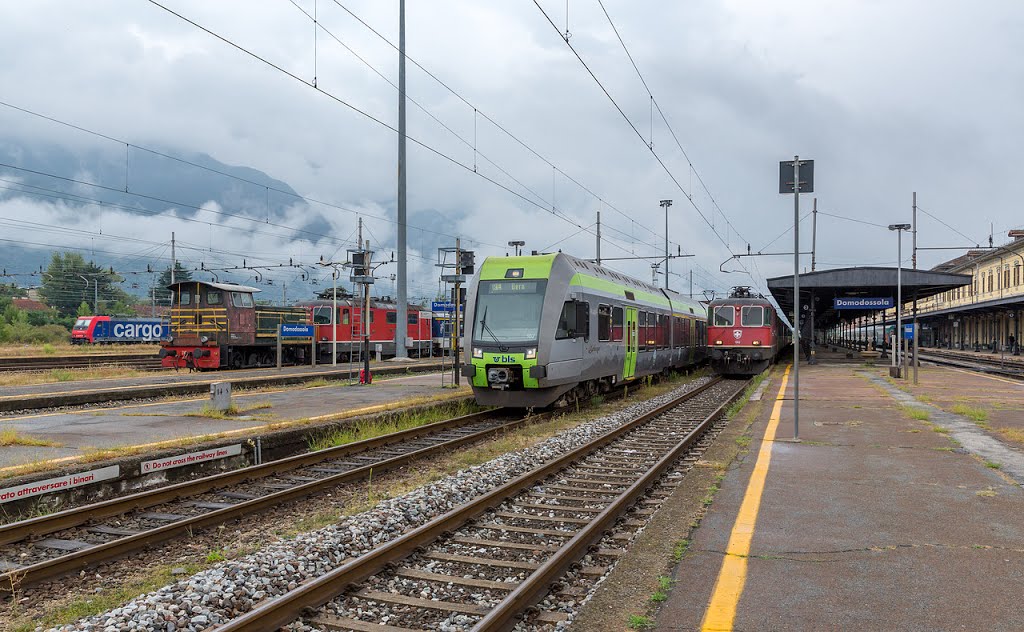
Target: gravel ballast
{"x":234,"y":587}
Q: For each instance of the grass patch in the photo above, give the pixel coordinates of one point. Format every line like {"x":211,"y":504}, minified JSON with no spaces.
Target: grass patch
{"x":975,"y":413}
{"x":915,"y":412}
{"x":664,"y":585}
{"x":29,"y":378}
{"x":214,"y":556}
{"x":640,"y":622}
{"x":371,"y":428}
{"x":317,"y":383}
{"x":680,"y":549}
{"x":10,"y":436}
{"x":940,"y":429}
{"x":943,"y":449}
{"x":231,"y":411}
{"x":1013,"y":434}
{"x":992,"y":465}
{"x":738,"y":405}
{"x":986,"y":493}
{"x":743,"y":440}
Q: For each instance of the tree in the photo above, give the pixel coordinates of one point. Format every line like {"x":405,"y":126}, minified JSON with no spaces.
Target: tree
{"x":163,"y":295}
{"x":69,"y":281}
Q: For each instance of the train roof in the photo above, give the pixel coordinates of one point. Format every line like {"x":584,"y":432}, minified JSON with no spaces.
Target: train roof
{"x":542,"y":267}
{"x":227,"y":287}
{"x":740,"y":301}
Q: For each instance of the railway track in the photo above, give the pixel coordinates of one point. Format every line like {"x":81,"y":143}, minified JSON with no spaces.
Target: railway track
{"x":484,"y":563}
{"x":49,"y":546}
{"x":995,"y":365}
{"x":143,"y":362}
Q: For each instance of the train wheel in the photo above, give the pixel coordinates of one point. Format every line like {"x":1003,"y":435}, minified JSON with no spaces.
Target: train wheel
{"x":236,"y":360}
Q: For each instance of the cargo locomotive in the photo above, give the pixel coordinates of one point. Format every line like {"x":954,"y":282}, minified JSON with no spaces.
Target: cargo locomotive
{"x":118,"y":330}
{"x":219,"y":325}
{"x":745,"y":334}
{"x":550,"y":329}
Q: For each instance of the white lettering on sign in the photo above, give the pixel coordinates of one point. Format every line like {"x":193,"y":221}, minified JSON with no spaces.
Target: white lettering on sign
{"x":191,"y":458}
{"x":56,"y":484}
{"x":138,"y":330}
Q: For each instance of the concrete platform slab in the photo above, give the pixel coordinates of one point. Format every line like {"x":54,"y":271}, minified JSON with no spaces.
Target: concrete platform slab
{"x":132,"y":425}
{"x":877,"y":520}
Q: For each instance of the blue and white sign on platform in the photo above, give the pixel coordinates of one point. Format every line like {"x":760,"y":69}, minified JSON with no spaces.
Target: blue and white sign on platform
{"x":908,"y":331}
{"x":297,"y":331}
{"x":860,"y":302}
{"x":442,"y":306}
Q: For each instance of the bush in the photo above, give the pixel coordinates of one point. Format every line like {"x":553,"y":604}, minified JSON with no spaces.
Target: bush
{"x":20,"y":332}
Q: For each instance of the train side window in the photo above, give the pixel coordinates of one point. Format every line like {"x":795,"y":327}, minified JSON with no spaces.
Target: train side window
{"x":641,"y":323}
{"x":566,"y":321}
{"x":413,"y":319}
{"x":725,"y":316}
{"x":213,"y":297}
{"x":604,"y":322}
{"x":617,"y":324}
{"x":391,"y":318}
{"x":752,"y":316}
{"x":344,"y":316}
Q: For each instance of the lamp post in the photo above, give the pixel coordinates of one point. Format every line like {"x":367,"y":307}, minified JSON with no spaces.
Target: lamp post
{"x":899,"y":228}
{"x":518,"y":245}
{"x":665,"y":204}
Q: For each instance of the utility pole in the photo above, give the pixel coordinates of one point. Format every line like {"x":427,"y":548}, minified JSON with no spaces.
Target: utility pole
{"x":796,"y":297}
{"x":814,"y":235}
{"x":334,"y":315}
{"x":402,"y":322}
{"x":598,"y":238}
{"x":366,"y":313}
{"x":666,"y":204}
{"x":691,"y":282}
{"x":174,"y":260}
{"x":455,"y":338}
{"x":914,"y":219}
{"x":913,"y":357}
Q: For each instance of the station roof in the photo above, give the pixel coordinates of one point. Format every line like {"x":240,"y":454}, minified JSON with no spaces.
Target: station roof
{"x":868,"y":282}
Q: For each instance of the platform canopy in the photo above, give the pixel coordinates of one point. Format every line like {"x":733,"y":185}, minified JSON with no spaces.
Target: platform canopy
{"x":856,"y":285}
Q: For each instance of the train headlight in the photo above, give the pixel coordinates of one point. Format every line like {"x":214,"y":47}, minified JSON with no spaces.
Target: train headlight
{"x":718,"y":342}
{"x":478,"y":352}
{"x":531,"y":354}
{"x":756,"y":343}
{"x":205,"y":339}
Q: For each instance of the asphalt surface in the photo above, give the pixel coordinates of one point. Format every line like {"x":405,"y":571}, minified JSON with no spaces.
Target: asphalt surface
{"x":137,"y":424}
{"x":876,"y":521}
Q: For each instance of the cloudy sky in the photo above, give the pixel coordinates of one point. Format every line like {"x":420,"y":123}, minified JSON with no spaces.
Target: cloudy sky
{"x":887,"y":97}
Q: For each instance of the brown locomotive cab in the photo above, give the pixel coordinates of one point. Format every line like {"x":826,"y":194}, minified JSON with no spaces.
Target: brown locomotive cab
{"x":216,"y":325}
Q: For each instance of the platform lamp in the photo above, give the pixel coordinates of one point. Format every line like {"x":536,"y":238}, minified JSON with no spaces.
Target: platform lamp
{"x":518,"y":245}
{"x":899,"y":228}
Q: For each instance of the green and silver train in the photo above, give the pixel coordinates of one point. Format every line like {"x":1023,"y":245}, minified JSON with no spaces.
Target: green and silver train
{"x":549,"y":329}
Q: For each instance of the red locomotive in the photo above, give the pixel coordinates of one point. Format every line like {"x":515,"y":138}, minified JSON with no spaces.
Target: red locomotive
{"x":745,"y":334}
{"x":349,"y":323}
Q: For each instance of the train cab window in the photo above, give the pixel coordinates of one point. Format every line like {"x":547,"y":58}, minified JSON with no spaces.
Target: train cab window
{"x":344,"y":316}
{"x":241,"y":299}
{"x":391,"y":318}
{"x":604,"y":322}
{"x":413,"y":319}
{"x":184,"y":297}
{"x":616,"y":324}
{"x":213,"y":297}
{"x":752,"y":316}
{"x":725,"y":316}
{"x":322,"y":315}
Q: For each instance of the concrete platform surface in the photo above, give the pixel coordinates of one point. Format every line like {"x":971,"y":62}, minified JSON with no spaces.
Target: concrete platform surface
{"x":885,"y":517}
{"x":81,"y":430}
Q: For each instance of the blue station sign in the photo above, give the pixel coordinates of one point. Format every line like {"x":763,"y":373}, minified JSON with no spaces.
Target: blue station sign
{"x":861,"y":302}
{"x":297,"y":331}
{"x":908,"y":331}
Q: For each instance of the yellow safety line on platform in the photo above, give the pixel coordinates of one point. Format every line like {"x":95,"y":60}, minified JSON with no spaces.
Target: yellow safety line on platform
{"x":721,"y":611}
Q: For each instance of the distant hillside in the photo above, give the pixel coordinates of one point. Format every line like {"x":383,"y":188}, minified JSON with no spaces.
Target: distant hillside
{"x":147,"y":174}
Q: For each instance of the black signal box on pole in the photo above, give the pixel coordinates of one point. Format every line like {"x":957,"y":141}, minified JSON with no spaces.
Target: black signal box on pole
{"x":786,"y":184}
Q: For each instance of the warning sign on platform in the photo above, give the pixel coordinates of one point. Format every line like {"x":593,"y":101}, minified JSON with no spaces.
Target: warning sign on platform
{"x":57,"y":484}
{"x":191,"y":458}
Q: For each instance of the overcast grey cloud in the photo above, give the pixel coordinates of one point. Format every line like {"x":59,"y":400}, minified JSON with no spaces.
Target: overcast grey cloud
{"x":886,"y":97}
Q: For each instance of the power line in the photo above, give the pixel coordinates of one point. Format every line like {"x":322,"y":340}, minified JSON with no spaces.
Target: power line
{"x":946,"y":225}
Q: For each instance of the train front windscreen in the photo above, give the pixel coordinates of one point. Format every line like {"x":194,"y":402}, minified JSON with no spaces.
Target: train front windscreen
{"x":508,"y":311}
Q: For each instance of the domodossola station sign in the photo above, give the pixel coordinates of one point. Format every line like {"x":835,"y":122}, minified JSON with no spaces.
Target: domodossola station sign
{"x":860,"y":302}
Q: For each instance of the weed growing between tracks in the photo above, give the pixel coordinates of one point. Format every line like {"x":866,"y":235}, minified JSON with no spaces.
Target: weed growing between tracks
{"x":372,"y":428}
{"x":54,"y":376}
{"x":10,"y":437}
{"x":231,"y":412}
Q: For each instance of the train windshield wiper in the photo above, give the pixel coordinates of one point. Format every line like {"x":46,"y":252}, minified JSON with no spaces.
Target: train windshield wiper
{"x":483,"y":324}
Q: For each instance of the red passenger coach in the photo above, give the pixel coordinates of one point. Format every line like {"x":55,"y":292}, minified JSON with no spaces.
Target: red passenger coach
{"x":745,"y":334}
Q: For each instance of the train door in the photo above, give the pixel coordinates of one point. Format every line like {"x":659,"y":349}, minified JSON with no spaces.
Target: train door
{"x":632,"y":343}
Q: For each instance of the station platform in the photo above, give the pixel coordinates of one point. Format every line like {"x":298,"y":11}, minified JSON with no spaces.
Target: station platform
{"x":74,"y":434}
{"x":899,"y":509}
